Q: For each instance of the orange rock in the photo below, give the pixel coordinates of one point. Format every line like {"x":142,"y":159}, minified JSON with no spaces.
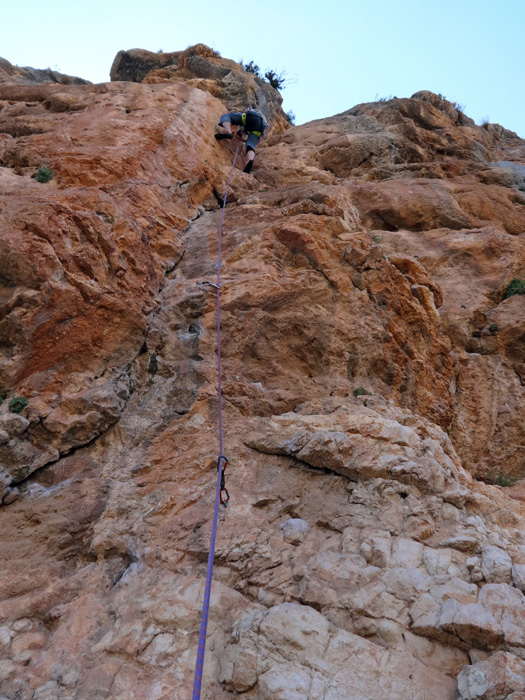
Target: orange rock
{"x":203,"y":68}
{"x":364,"y":269}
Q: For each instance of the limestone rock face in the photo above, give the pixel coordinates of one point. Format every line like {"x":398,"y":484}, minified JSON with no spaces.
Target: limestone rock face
{"x":34,"y":76}
{"x":438,"y":191}
{"x":204,"y":68}
{"x":371,"y":369}
{"x":292,"y":651}
{"x":500,"y":676}
{"x":80,"y":275}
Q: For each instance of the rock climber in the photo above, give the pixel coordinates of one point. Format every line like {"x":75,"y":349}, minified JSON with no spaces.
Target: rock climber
{"x":252,"y":122}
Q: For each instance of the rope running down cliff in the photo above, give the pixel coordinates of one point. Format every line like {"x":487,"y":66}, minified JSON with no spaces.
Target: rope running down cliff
{"x":221,"y":466}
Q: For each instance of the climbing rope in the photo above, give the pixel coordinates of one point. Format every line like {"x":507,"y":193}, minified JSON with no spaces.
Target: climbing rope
{"x":221,"y":484}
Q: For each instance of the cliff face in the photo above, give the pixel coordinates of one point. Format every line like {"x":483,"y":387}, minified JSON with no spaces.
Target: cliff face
{"x":372,"y":367}
{"x":35,"y":76}
{"x":203,"y":68}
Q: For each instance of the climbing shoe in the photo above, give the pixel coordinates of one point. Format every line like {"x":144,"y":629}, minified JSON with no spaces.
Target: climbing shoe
{"x":248,"y":167}
{"x":220,"y":137}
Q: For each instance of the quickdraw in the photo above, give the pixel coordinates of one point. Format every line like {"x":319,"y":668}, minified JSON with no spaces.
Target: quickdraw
{"x":223,"y":500}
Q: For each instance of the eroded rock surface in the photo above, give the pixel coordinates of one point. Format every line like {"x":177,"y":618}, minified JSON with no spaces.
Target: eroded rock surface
{"x":204,"y":68}
{"x":34,"y":76}
{"x":365,"y":387}
{"x":500,"y":676}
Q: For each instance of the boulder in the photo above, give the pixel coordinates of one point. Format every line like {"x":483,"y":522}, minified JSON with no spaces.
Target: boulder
{"x":499,"y":677}
{"x":496,"y":565}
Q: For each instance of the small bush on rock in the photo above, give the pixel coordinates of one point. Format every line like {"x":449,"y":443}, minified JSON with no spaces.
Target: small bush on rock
{"x":361,"y":391}
{"x":515,"y":286}
{"x":43,"y":174}
{"x":276,"y":80}
{"x":502,"y":480}
{"x":251,"y":67}
{"x":17,"y":404}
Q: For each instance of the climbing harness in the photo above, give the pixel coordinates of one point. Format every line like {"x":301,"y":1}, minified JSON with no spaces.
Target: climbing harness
{"x":221,"y":480}
{"x":254,"y":122}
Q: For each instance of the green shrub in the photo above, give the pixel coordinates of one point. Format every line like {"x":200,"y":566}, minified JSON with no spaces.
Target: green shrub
{"x":493,"y":328}
{"x":361,"y":391}
{"x":43,"y":174}
{"x":515,"y":286}
{"x":17,"y":404}
{"x":291,"y":117}
{"x":252,"y":67}
{"x":502,"y":480}
{"x":276,"y":80}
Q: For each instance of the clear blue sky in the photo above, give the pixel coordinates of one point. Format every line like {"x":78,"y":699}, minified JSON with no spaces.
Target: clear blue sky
{"x":336,"y":54}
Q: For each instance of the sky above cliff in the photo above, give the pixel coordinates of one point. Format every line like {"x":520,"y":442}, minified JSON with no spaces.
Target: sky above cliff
{"x":336,"y":54}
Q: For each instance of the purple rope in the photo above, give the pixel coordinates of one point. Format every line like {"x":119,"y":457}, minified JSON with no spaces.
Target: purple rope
{"x":197,"y":682}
